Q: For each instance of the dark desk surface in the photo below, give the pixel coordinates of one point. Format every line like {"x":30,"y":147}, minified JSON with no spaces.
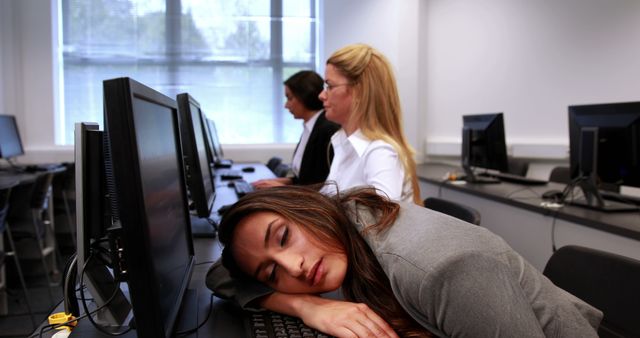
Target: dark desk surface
{"x":625,"y":224}
{"x":225,"y":319}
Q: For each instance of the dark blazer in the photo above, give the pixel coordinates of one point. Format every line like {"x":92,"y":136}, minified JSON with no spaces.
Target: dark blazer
{"x":318,"y":154}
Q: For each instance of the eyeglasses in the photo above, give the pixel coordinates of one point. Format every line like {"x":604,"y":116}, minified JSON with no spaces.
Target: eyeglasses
{"x":328,"y":87}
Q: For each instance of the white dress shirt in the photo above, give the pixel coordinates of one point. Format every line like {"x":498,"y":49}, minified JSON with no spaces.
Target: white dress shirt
{"x":307,"y":127}
{"x":361,"y":161}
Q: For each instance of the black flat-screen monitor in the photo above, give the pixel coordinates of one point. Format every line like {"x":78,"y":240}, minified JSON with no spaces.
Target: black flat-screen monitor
{"x":215,"y":147}
{"x":483,"y":144}
{"x":154,"y":242}
{"x":604,"y":145}
{"x":93,"y":220}
{"x":196,"y":157}
{"x":10,"y":142}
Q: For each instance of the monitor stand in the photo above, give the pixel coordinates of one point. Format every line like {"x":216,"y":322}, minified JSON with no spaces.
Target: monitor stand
{"x":203,"y":227}
{"x":593,"y":200}
{"x":473,"y":178}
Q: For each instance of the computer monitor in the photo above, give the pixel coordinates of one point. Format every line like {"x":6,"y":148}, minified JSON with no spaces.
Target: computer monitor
{"x":483,"y":145}
{"x":215,"y":147}
{"x":604,"y":145}
{"x":10,"y":142}
{"x":93,"y":221}
{"x":196,"y":158}
{"x":149,"y":236}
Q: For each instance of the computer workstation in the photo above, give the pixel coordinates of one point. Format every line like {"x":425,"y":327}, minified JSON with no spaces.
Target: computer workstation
{"x":11,"y":148}
{"x":484,"y":151}
{"x":532,"y":218}
{"x":136,"y":254}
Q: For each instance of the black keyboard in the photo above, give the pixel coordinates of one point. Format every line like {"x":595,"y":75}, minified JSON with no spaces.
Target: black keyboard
{"x":511,"y":178}
{"x":242,"y":187}
{"x":617,"y":197}
{"x":272,"y":324}
{"x":229,"y":174}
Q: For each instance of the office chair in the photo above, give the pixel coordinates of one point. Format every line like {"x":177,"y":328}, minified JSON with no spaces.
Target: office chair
{"x":607,"y":281}
{"x":273,"y":163}
{"x":5,"y":192}
{"x":63,"y":188}
{"x":29,"y":225}
{"x":282,"y":170}
{"x":560,"y":175}
{"x":518,"y":166}
{"x":457,"y":210}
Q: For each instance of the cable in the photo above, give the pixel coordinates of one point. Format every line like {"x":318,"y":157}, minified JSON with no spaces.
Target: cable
{"x":87,"y":314}
{"x":86,"y":308}
{"x":180,"y":333}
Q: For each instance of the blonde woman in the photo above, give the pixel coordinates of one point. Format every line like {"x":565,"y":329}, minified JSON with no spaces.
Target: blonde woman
{"x":362,"y":97}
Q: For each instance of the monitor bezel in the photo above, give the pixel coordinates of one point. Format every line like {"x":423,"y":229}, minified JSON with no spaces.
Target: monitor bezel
{"x":496,"y":151}
{"x":195,"y":181}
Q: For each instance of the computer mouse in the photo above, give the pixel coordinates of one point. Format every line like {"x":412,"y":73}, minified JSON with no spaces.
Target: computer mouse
{"x":555,"y":195}
{"x":248,"y":169}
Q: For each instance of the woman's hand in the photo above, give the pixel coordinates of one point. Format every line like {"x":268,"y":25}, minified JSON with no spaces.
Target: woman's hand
{"x":337,"y":318}
{"x":345,"y":319}
{"x":272,"y":182}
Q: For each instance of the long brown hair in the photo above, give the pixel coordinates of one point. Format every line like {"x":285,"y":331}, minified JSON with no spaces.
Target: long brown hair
{"x":326,"y":219}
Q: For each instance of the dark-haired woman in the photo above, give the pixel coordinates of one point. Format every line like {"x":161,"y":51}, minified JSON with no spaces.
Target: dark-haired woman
{"x":313,"y":154}
{"x":404,"y":270}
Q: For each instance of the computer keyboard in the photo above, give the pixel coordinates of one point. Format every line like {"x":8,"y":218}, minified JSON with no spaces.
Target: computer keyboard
{"x":617,"y":197}
{"x":242,"y":187}
{"x":514,"y":178}
{"x":272,"y":324}
{"x":229,"y":174}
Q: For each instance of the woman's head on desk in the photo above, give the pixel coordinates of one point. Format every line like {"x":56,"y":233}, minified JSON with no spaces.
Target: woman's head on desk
{"x":301,"y":90}
{"x":296,"y":240}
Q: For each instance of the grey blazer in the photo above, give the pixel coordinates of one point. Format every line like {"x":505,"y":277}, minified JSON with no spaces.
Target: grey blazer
{"x":456,"y":279}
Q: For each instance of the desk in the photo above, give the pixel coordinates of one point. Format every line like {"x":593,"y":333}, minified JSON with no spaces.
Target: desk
{"x":514,"y":212}
{"x":225,"y":319}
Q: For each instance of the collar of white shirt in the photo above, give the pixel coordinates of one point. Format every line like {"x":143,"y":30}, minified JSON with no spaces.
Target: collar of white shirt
{"x":312,"y":121}
{"x":357,"y":140}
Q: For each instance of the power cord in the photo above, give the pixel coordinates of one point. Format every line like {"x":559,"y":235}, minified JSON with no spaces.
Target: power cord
{"x":185,"y":332}
{"x":86,"y":308}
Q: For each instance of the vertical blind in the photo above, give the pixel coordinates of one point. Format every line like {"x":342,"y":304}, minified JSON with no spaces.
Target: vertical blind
{"x":230,"y":55}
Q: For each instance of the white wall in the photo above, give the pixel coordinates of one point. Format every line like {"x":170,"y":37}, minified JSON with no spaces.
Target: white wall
{"x":392,"y":27}
{"x":528,"y":59}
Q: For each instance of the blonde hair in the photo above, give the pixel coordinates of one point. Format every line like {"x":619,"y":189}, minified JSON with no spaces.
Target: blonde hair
{"x":375,"y":107}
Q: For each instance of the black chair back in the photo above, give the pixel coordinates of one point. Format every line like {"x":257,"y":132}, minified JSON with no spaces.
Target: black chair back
{"x":5,"y":192}
{"x":273,"y":163}
{"x":281,"y":170}
{"x":457,"y":210}
{"x":40,"y":191}
{"x":607,"y":281}
{"x":560,"y":175}
{"x":518,"y":166}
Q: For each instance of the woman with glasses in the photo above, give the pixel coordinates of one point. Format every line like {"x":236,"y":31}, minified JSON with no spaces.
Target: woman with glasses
{"x":313,"y":154}
{"x":404,"y":270}
{"x":370,"y":149}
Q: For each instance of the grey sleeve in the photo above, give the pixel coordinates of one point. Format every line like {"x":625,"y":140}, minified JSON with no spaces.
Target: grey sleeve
{"x":476,"y":296}
{"x":243,"y":291}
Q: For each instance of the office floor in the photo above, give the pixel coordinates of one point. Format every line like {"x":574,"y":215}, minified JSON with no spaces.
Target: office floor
{"x":17,"y":322}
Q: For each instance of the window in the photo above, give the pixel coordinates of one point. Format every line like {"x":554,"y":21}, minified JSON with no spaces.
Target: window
{"x":231,"y":55}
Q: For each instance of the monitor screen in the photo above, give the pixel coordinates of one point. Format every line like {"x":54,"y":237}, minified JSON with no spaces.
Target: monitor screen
{"x":215,"y":142}
{"x":604,"y":143}
{"x":143,"y":136}
{"x":10,"y":143}
{"x":483,"y":142}
{"x":196,"y":158}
